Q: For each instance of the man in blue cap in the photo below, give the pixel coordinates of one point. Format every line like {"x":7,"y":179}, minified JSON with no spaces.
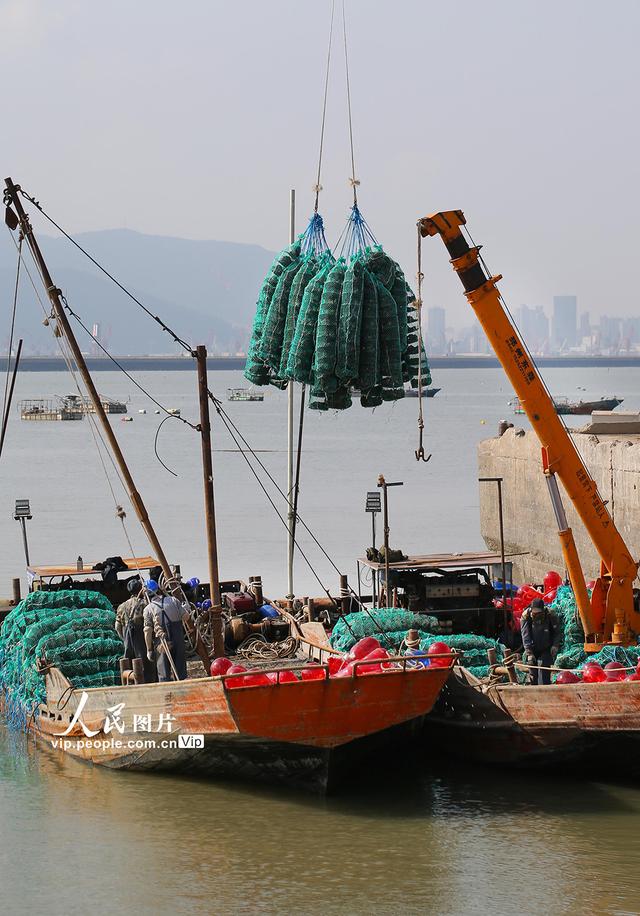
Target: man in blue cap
{"x":130,"y":628}
{"x":165,"y":619}
{"x":541,"y":637}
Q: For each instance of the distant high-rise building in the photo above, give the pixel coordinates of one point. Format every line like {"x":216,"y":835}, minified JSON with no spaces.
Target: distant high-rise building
{"x":610,"y":333}
{"x":534,"y":326}
{"x":564,"y":324}
{"x":436,"y":341}
{"x":584,"y":328}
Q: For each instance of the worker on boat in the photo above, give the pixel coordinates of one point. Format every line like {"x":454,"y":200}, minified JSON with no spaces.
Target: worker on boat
{"x":541,"y":635}
{"x":165,"y":619}
{"x":130,"y":628}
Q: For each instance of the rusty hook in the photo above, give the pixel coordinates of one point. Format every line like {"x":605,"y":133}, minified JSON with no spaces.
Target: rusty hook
{"x":419,"y":452}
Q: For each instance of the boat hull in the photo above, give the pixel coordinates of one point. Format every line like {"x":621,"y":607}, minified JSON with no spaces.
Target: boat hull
{"x":306,"y":734}
{"x":539,"y":726}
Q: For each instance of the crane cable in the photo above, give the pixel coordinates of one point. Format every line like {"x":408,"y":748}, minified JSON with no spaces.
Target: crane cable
{"x":419,"y":452}
{"x":354,"y":182}
{"x":318,"y":187}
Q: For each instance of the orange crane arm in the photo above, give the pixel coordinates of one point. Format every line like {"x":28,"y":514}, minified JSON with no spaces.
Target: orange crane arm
{"x":610,"y":613}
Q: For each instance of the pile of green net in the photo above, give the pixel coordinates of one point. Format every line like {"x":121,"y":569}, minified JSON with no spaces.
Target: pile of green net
{"x":572,"y":654}
{"x":72,"y":630}
{"x":337,"y":324}
{"x":390,"y":625}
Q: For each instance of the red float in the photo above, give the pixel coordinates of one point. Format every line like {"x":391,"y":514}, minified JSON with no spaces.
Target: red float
{"x":220,"y":666}
{"x":376,"y":656}
{"x":567,"y":677}
{"x":593,"y":673}
{"x":313,"y":673}
{"x":439,"y":648}
{"x":362,"y":648}
{"x":615,"y":671}
{"x":335,"y":663}
{"x":551,"y":580}
{"x":282,"y":677}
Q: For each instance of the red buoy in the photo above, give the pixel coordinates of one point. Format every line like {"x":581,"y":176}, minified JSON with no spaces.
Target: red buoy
{"x":615,"y":671}
{"x":362,"y":648}
{"x":376,"y":656}
{"x":439,"y":648}
{"x":551,"y":580}
{"x":593,"y":673}
{"x":567,"y":677}
{"x":335,"y":663}
{"x":282,"y":677}
{"x":313,"y":673}
{"x":219,"y":666}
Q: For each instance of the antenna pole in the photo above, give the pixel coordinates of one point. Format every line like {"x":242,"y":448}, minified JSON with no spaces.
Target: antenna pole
{"x":12,"y":196}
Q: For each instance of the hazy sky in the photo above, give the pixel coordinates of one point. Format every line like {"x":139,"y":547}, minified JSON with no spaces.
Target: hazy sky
{"x":195,"y":118}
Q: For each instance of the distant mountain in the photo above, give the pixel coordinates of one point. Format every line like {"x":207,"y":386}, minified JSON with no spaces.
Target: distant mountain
{"x":205,"y":290}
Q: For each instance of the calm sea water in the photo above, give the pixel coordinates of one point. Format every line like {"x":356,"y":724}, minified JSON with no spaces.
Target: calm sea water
{"x":436,"y":837}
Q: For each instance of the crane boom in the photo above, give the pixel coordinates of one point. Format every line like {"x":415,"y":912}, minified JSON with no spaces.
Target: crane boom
{"x":609,"y":615}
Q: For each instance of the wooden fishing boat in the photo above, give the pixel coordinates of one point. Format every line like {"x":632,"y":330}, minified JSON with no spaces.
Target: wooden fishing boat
{"x":538,"y":726}
{"x":307,"y":733}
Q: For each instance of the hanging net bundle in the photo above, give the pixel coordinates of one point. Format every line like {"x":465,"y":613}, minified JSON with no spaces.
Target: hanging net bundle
{"x":70,"y":629}
{"x":337,"y":324}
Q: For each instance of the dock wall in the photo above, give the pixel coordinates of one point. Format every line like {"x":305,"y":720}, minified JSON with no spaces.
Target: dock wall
{"x":529,"y":522}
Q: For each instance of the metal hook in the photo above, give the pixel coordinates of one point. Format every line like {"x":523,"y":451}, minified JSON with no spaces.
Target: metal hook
{"x":419,"y":452}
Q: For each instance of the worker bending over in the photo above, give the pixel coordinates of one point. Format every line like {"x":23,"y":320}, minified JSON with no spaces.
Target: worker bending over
{"x":541,"y":637}
{"x":165,"y":619}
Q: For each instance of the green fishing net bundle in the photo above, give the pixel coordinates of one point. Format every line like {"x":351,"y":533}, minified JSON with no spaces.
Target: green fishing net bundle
{"x":337,"y":325}
{"x":390,"y":625}
{"x":572,"y":654}
{"x":70,"y":629}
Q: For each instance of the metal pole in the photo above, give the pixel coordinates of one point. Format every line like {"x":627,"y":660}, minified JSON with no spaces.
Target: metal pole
{"x":63,"y":324}
{"x":374,"y":576}
{"x":499,"y":480}
{"x":23,"y":523}
{"x":290,"y":415}
{"x":385,"y":522}
{"x":209,"y":507}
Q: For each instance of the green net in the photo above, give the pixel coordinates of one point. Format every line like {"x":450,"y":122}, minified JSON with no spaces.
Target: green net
{"x":337,"y":325}
{"x":390,"y":625}
{"x":572,"y":654}
{"x":72,"y":630}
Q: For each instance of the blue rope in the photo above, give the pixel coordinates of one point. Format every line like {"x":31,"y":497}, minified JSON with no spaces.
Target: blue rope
{"x":356,"y":236}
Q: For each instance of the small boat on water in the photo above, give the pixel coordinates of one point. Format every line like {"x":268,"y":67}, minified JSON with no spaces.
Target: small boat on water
{"x":426,"y":392}
{"x":244,"y":394}
{"x":566,"y":407}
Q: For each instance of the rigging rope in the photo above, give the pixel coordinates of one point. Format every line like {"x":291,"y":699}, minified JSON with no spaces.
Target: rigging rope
{"x":318,"y":187}
{"x":12,"y":328}
{"x":165,"y":327}
{"x":353,"y":180}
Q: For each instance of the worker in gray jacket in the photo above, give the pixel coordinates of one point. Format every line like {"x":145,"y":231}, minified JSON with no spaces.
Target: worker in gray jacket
{"x":165,"y":619}
{"x":541,"y":636}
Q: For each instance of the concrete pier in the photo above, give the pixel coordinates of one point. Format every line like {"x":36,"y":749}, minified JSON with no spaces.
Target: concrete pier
{"x":612,"y":460}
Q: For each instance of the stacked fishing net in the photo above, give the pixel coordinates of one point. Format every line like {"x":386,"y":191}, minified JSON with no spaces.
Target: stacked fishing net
{"x":337,"y":324}
{"x":390,"y":625}
{"x":572,"y":654}
{"x":72,"y":630}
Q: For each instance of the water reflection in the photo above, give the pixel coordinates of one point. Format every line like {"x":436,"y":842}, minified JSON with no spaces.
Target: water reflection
{"x":437,"y":836}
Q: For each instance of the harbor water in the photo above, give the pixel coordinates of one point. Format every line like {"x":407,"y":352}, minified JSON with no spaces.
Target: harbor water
{"x":432,"y":836}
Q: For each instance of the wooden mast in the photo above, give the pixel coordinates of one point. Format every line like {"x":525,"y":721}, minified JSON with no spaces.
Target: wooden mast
{"x":54,"y":296}
{"x":209,"y":508}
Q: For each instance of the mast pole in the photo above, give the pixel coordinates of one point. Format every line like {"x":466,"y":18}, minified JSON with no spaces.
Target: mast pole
{"x":209,"y":507}
{"x":63,"y":323}
{"x":290,"y":425}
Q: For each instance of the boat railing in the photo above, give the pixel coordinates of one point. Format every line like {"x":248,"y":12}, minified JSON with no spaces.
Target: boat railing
{"x":399,"y":665}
